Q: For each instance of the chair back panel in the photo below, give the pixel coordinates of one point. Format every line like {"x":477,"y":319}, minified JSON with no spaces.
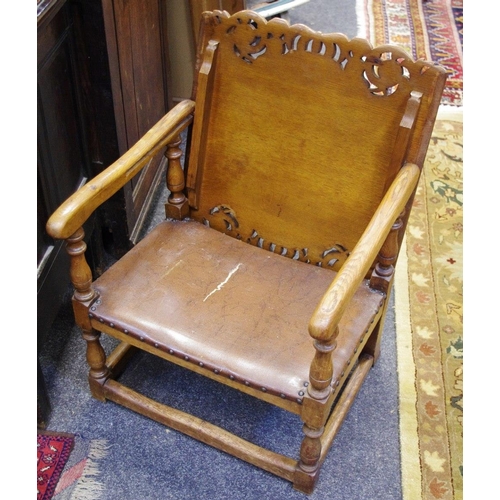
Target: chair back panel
{"x":294,"y":130}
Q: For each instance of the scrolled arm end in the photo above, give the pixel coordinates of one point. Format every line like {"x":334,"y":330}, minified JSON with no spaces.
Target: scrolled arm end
{"x":73,"y":213}
{"x":321,"y":328}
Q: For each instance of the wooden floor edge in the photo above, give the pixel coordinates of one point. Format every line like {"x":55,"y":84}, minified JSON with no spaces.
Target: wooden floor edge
{"x":201,"y":430}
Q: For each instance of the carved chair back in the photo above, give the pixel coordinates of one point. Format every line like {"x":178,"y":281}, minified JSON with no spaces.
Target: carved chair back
{"x":293,"y":142}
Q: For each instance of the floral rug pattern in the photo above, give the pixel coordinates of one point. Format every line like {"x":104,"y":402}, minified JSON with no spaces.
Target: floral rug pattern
{"x":429,"y":319}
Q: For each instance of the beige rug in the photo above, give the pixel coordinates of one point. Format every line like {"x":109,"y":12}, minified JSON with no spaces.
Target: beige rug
{"x":429,"y":323}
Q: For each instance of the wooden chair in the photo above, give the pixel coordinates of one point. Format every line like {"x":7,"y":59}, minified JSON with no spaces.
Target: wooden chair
{"x":272,"y":270}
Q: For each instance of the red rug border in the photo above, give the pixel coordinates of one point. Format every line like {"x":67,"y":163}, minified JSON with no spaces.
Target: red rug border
{"x":68,"y":441}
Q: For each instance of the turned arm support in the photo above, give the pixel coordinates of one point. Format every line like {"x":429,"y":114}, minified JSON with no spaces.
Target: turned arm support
{"x":73,"y":213}
{"x":325,"y":319}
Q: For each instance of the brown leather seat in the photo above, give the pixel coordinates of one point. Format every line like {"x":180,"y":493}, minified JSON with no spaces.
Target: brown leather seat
{"x":272,"y":271}
{"x":218,"y":304}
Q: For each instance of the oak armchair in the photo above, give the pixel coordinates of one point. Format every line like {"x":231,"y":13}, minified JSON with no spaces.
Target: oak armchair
{"x":272,"y":271}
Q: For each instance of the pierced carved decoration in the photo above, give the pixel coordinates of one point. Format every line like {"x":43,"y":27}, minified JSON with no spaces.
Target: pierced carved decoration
{"x":382,"y":70}
{"x":223,"y":218}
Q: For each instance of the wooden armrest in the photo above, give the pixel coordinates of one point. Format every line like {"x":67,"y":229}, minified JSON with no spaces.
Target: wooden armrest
{"x":331,"y":307}
{"x":72,"y":214}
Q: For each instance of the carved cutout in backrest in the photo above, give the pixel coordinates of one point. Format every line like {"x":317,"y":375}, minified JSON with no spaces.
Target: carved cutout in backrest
{"x":294,"y":132}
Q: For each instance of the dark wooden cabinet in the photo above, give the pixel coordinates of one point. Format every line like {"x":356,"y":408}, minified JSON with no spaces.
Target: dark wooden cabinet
{"x":136,"y":36}
{"x":102,"y":81}
{"x":62,"y":157}
{"x":63,"y":161}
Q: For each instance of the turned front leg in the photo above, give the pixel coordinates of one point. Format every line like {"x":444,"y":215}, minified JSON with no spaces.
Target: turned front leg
{"x":310,"y":449}
{"x":84,"y":295}
{"x":316,"y":409}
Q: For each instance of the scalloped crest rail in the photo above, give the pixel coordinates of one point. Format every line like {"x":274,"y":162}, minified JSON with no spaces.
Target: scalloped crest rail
{"x":253,"y":36}
{"x":241,"y":50}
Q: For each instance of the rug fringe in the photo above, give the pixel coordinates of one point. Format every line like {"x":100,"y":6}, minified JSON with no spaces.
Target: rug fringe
{"x":99,"y":448}
{"x":88,"y":488}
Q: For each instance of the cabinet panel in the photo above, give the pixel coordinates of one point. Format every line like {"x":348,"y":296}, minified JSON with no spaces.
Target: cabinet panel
{"x":136,"y":40}
{"x":62,"y":161}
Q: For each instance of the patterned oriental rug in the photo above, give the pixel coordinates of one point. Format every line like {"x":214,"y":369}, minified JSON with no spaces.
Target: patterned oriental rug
{"x":429,"y":325}
{"x":53,"y":451}
{"x":431,"y":30}
{"x":68,"y":466}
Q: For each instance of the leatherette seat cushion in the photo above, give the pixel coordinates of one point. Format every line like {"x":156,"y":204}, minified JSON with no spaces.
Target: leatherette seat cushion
{"x":227,"y":306}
